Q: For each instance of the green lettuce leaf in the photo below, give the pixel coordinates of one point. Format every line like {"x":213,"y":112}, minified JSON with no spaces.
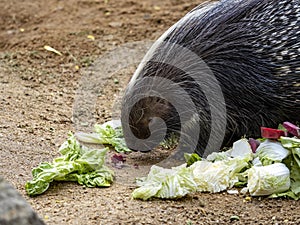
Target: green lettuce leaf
{"x":288,"y":194}
{"x":219,"y":175}
{"x":191,"y":158}
{"x":106,"y":134}
{"x":267,"y":180}
{"x":295,"y":171}
{"x":77,"y":163}
{"x":99,"y":178}
{"x":218,"y":156}
{"x":165,"y":183}
{"x":293,"y":163}
{"x":289,"y":142}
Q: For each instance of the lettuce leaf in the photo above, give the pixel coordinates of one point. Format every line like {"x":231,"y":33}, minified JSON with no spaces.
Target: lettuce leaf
{"x":107,"y":134}
{"x":218,"y":156}
{"x":219,"y":175}
{"x":267,"y":180}
{"x":165,"y":183}
{"x":270,"y":152}
{"x":293,"y":163}
{"x":77,"y":163}
{"x":240,"y":148}
{"x":191,"y":158}
{"x":289,"y":142}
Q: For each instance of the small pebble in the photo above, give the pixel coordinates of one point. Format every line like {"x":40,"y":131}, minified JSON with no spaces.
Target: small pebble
{"x":248,"y":199}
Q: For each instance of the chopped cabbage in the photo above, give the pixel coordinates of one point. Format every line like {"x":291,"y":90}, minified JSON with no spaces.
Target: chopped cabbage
{"x":77,"y":163}
{"x":166,"y":183}
{"x":267,"y":180}
{"x":270,"y":152}
{"x":200,"y":176}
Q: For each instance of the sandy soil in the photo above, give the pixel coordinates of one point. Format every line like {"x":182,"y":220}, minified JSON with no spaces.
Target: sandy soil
{"x":45,"y":95}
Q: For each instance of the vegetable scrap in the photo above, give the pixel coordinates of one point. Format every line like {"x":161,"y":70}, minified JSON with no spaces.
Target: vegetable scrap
{"x":263,"y":180}
{"x":272,"y":133}
{"x":254,"y":144}
{"x":118,"y":160}
{"x":270,"y":167}
{"x":165,"y":183}
{"x":263,"y":167}
{"x":109,"y":133}
{"x":219,"y":172}
{"x":291,"y":128}
{"x":77,"y":163}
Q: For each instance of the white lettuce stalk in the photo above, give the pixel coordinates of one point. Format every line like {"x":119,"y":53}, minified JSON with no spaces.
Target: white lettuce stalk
{"x":241,"y":148}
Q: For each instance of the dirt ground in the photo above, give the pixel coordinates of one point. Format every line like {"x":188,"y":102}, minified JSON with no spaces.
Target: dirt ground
{"x":41,"y":101}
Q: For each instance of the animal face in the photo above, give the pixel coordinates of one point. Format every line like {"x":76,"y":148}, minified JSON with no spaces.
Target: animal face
{"x":147,"y":124}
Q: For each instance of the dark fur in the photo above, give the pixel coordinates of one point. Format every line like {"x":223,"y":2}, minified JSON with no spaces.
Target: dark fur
{"x":251,"y":46}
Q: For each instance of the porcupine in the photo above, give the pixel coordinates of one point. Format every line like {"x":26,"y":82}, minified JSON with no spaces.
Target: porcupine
{"x":252,"y":48}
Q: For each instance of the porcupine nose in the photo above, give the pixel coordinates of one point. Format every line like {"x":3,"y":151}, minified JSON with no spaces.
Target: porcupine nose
{"x":146,"y":139}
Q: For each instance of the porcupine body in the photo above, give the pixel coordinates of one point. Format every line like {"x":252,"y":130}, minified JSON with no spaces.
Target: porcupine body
{"x":252,"y":48}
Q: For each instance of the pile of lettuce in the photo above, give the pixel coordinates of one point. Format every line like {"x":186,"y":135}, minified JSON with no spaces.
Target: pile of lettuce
{"x":76,"y":163}
{"x":79,"y":163}
{"x":273,"y":170}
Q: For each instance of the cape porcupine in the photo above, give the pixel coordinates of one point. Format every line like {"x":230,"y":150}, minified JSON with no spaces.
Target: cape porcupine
{"x":251,"y":47}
